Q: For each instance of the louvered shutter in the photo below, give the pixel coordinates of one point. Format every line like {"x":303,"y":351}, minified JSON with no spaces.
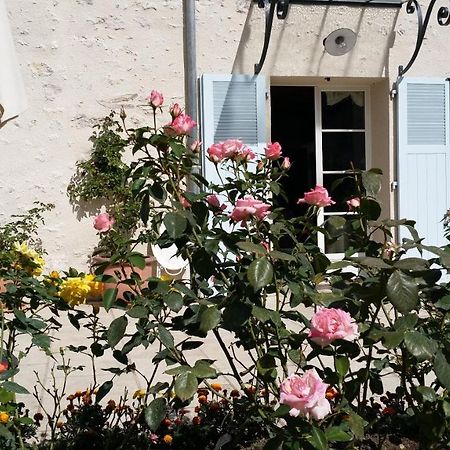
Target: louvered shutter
{"x":232,"y":107}
{"x":424,"y":155}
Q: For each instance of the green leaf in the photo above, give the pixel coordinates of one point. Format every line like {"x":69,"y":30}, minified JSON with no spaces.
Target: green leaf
{"x":186,"y":385}
{"x":392,"y":339}
{"x":137,"y":260}
{"x":262,"y":314}
{"x":371,"y":182}
{"x":260,"y":273}
{"x":371,"y":262}
{"x":274,"y":444}
{"x":442,"y":369}
{"x":341,"y":364}
{"x":174,"y":300}
{"x":250,"y":247}
{"x":266,"y":366}
{"x":275,"y":254}
{"x":165,"y":336}
{"x":157,"y":192}
{"x":175,"y":224}
{"x":116,"y":330}
{"x":407,"y":322}
{"x":138,"y":312}
{"x":155,"y":413}
{"x":209,"y":319}
{"x":420,"y":346}
{"x":235,"y":315}
{"x":11,"y":386}
{"x":203,"y":263}
{"x":337,"y":434}
{"x":443,"y":303}
{"x":402,"y":291}
{"x":427,"y":394}
{"x":103,"y":390}
{"x":41,"y":340}
{"x":203,"y":369}
{"x":411,"y":264}
{"x":6,"y":396}
{"x":144,"y":210}
{"x":318,"y":439}
{"x":357,"y":424}
{"x":109,"y":297}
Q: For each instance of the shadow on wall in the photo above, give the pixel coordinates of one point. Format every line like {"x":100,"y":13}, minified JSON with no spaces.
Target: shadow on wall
{"x":296,"y":45}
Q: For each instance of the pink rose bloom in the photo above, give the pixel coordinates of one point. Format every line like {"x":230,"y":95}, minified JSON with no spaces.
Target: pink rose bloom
{"x":265,"y":245}
{"x":155,"y":99}
{"x":153,"y":438}
{"x":329,"y":324}
{"x":286,"y":164}
{"x":195,"y":147}
{"x":245,"y":154}
{"x":248,"y":207}
{"x":317,"y":197}
{"x":181,"y":125}
{"x":215,"y":153}
{"x":232,"y":147}
{"x":214,"y":202}
{"x":273,"y":151}
{"x":175,"y":110}
{"x":260,"y":165}
{"x":353,"y":203}
{"x":305,"y":395}
{"x":103,"y":222}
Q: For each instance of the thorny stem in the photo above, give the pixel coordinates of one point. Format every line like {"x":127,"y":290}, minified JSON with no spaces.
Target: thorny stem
{"x":228,"y":356}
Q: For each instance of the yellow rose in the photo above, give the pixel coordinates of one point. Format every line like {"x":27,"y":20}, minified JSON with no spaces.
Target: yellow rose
{"x":74,"y":290}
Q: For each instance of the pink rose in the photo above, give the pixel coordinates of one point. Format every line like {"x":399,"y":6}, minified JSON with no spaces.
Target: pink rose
{"x":180,"y":126}
{"x":353,"y":203}
{"x":260,"y":165}
{"x":231,"y":147}
{"x":215,"y":153}
{"x":175,"y":110}
{"x":273,"y":151}
{"x":329,"y":324}
{"x":245,"y":154}
{"x":195,"y":147}
{"x":286,"y":164}
{"x":103,"y":222}
{"x":317,"y":197}
{"x":214,"y":202}
{"x":248,"y":207}
{"x":305,"y":395}
{"x":155,"y":99}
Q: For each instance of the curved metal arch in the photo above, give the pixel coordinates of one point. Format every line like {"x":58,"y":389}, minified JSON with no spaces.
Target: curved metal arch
{"x":443,"y":19}
{"x":282,"y":7}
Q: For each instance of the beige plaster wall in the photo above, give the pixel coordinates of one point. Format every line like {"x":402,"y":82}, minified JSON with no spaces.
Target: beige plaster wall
{"x":80,"y":58}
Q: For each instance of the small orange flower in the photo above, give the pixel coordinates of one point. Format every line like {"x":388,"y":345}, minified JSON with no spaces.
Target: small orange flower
{"x":166,"y":422}
{"x":331,"y":393}
{"x":202,"y":399}
{"x":197,"y":420}
{"x":4,"y":417}
{"x":60,"y":425}
{"x":216,"y":386}
{"x":167,"y":439}
{"x":234,"y":393}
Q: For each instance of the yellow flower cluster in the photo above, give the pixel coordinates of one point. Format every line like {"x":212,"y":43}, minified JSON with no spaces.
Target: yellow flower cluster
{"x":28,"y":259}
{"x":75,"y":290}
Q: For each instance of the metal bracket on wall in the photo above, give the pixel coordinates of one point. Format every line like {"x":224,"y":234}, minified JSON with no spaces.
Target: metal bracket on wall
{"x":282,"y":8}
{"x":443,"y":19}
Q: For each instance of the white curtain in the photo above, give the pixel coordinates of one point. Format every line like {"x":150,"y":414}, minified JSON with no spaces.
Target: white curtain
{"x":335,"y":97}
{"x":12,"y":91}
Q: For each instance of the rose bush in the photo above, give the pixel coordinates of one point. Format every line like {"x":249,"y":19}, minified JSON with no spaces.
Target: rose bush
{"x":324,"y":354}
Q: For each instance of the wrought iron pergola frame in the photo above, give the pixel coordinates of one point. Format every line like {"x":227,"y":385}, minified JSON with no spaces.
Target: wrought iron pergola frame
{"x":281,"y":7}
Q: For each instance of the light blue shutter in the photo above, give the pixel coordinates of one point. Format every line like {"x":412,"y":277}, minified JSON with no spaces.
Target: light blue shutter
{"x":232,"y":107}
{"x":424,"y":155}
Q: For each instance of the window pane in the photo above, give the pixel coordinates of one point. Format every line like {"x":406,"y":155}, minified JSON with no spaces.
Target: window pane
{"x":343,"y":110}
{"x":342,"y":149}
{"x":341,"y":188}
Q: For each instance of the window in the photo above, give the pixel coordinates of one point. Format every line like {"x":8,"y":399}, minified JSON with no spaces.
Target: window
{"x":325,"y":133}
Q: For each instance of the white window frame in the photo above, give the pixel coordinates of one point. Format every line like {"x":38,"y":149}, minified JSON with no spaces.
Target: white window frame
{"x":319,"y":151}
